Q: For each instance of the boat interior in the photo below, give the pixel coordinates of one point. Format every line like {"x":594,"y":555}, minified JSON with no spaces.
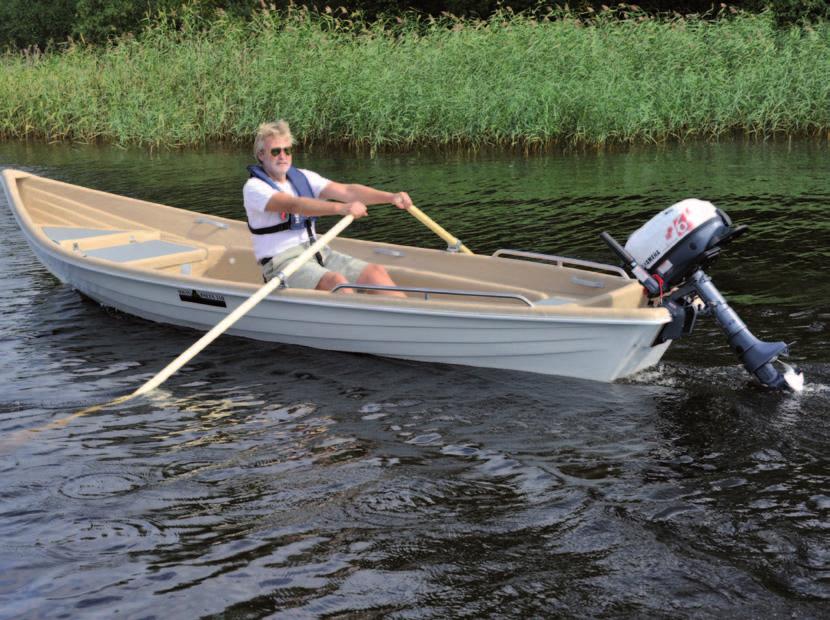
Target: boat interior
{"x":138,"y":235}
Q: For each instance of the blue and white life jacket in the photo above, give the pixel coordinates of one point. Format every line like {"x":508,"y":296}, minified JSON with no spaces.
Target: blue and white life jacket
{"x":294,"y":221}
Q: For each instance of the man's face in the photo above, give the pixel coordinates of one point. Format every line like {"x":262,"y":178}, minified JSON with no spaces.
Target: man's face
{"x":276,"y":156}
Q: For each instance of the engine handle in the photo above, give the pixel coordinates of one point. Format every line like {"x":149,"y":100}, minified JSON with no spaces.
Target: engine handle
{"x":643,"y":276}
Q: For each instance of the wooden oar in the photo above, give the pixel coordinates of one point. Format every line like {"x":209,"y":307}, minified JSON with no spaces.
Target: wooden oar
{"x":210,"y":336}
{"x":452,"y":242}
{"x":243,"y":308}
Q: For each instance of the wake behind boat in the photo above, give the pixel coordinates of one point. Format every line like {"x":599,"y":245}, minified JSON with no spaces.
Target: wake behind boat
{"x":512,"y":310}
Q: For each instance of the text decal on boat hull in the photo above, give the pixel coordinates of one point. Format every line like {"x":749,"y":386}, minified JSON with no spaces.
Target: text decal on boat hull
{"x":202,"y":297}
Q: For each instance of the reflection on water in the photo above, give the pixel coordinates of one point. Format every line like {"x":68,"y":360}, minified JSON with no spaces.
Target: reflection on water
{"x":267,"y":480}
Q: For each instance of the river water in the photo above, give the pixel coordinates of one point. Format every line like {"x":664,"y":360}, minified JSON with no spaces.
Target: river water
{"x":277,"y":481}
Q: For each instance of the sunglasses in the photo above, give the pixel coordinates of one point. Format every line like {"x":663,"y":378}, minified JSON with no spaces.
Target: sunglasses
{"x":279,"y":149}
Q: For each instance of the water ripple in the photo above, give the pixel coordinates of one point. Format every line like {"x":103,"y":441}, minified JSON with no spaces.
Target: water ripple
{"x":274,"y":481}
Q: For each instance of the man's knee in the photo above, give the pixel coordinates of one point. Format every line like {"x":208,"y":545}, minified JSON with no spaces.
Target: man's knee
{"x":375,"y":274}
{"x":330,"y":280}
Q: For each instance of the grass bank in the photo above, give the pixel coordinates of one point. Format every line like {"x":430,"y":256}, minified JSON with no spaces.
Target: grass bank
{"x":509,"y":81}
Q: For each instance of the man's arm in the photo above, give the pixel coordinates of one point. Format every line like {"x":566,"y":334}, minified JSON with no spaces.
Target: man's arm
{"x":367,"y":195}
{"x":280,"y":202}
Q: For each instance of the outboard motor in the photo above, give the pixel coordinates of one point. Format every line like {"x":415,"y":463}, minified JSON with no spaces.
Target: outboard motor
{"x":668,"y":255}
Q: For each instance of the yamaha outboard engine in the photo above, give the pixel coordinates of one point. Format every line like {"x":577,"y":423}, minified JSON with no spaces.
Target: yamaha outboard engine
{"x":668,"y":255}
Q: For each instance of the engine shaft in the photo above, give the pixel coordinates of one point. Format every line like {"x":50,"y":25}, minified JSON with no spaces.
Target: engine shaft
{"x":756,"y":355}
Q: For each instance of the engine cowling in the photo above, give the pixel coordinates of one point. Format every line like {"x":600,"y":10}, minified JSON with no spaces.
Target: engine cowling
{"x":681,"y":239}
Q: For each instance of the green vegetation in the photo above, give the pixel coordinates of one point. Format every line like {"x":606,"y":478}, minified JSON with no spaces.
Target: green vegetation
{"x":509,"y":81}
{"x":41,"y":23}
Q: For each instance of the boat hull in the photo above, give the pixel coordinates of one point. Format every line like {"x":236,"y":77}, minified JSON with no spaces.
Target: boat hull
{"x":566,"y":346}
{"x":588,"y":347}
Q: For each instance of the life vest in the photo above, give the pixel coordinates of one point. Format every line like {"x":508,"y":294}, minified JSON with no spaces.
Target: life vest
{"x":294,"y":221}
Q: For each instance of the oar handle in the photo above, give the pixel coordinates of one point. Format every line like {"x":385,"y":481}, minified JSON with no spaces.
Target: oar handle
{"x":242,"y":309}
{"x":427,"y":221}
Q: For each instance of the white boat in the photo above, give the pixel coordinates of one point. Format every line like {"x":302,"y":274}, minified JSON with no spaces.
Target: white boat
{"x":511,"y":310}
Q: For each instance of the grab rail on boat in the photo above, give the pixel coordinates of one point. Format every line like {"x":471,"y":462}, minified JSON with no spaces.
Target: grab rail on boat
{"x":562,"y":261}
{"x":206,"y":220}
{"x":434,"y":291}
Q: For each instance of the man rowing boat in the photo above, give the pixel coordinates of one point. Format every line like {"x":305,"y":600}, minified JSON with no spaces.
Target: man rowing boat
{"x":282,"y":204}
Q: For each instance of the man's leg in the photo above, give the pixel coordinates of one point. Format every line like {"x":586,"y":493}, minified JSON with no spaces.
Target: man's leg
{"x":331,"y":279}
{"x":358,"y":271}
{"x":377,"y":274}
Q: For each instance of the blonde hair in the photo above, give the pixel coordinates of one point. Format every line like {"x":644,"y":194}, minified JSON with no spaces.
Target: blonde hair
{"x":269,"y":130}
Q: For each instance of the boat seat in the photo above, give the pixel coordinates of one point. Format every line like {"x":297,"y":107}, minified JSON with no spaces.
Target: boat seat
{"x":138,"y":248}
{"x":85,"y":239}
{"x":66,"y":233}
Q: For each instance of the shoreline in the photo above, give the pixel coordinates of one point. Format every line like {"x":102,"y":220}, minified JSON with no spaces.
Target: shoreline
{"x":472,"y":151}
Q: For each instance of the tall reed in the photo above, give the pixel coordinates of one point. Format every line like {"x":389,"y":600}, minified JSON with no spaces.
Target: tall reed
{"x":509,"y":81}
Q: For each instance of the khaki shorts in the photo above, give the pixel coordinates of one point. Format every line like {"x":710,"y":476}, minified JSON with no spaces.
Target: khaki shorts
{"x":310,"y":273}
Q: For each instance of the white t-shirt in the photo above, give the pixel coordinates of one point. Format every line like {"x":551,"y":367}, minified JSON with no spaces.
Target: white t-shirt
{"x":255,"y":195}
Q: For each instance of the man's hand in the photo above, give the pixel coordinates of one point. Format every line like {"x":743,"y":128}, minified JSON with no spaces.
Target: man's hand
{"x":401,"y":200}
{"x":355,"y":209}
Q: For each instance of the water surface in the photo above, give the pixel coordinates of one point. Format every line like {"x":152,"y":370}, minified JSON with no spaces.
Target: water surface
{"x":276,"y":481}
